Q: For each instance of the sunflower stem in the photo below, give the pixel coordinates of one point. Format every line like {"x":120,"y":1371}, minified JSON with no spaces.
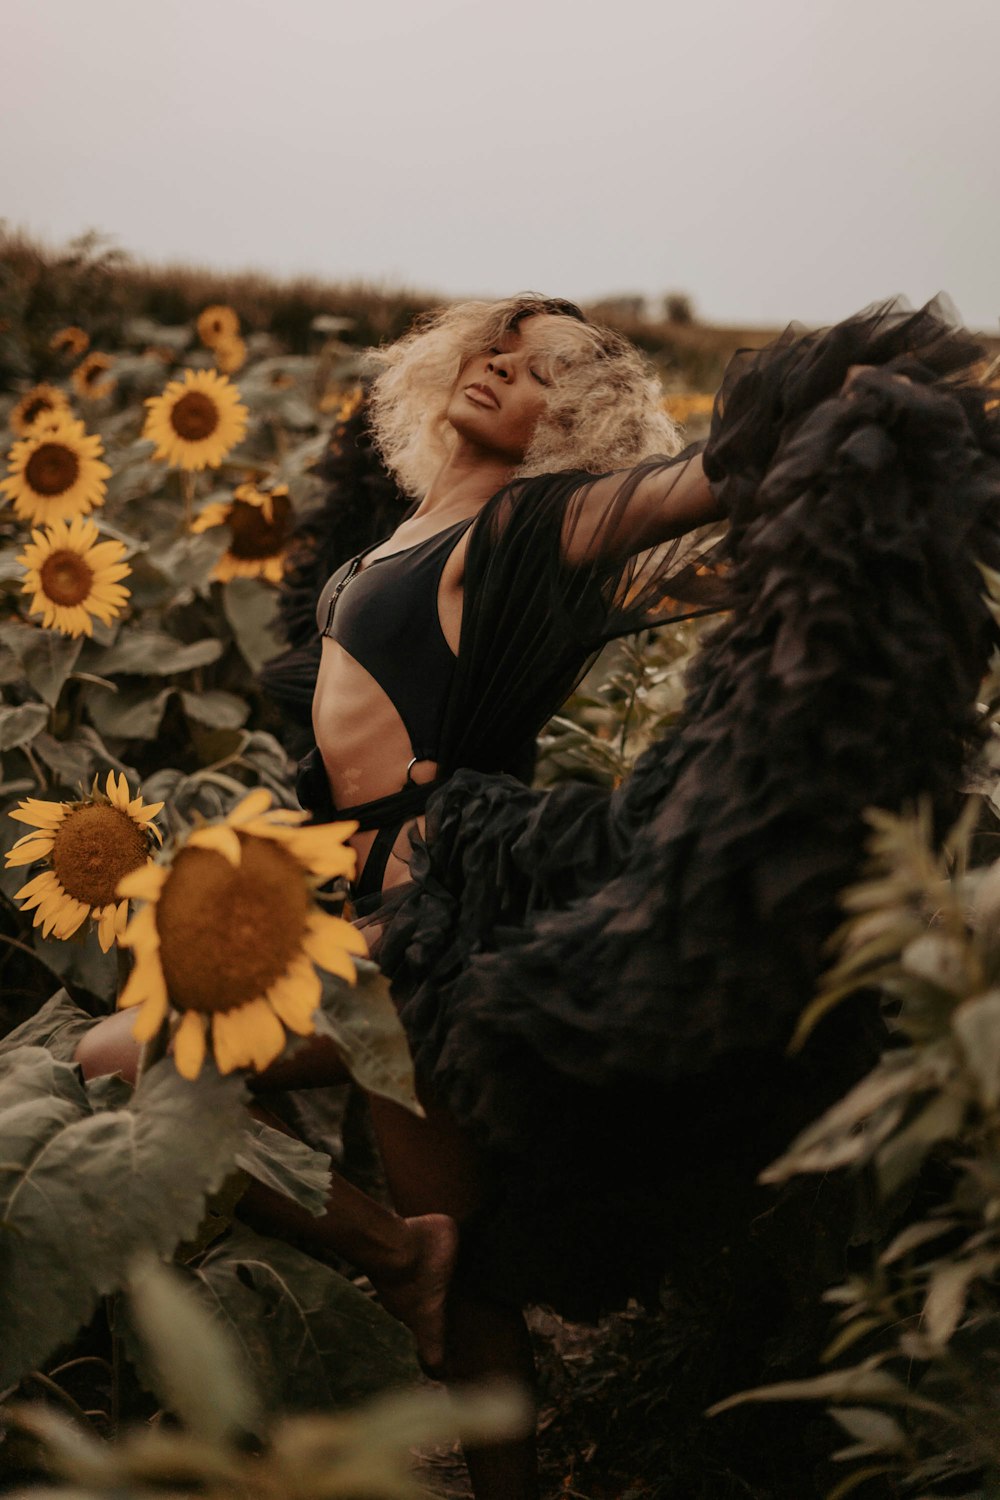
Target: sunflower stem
{"x":187,"y":490}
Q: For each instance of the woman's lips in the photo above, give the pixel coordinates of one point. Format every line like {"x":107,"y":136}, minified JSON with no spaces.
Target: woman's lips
{"x":482,"y":396}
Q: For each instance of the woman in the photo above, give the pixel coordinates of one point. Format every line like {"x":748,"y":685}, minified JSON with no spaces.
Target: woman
{"x":575,"y":971}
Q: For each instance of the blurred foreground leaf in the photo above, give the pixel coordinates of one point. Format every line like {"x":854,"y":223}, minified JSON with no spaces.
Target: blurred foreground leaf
{"x":82,"y":1192}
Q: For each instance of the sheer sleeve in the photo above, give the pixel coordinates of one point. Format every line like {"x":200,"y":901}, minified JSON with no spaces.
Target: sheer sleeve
{"x":552,"y":574}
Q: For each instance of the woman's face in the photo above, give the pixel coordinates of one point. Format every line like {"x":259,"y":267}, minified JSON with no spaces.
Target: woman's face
{"x":501,"y":393}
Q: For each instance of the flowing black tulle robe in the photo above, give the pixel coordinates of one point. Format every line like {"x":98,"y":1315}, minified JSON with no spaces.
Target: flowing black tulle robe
{"x":601,"y":987}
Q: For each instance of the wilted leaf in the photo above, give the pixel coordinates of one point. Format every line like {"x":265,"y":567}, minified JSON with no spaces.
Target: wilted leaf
{"x":875,"y":1431}
{"x":976,"y":1023}
{"x":913,"y":1236}
{"x":21,"y":724}
{"x":947,"y":1293}
{"x":286,"y":1164}
{"x":901,"y":1156}
{"x":312,"y":1339}
{"x":81,"y":1193}
{"x":362,"y":1019}
{"x":132,"y":714}
{"x":194,"y":1360}
{"x":48,"y":660}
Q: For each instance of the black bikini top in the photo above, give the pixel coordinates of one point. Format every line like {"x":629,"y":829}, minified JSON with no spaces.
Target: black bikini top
{"x":388,"y":622}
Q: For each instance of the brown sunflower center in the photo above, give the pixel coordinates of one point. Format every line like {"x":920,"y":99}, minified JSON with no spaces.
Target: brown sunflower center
{"x":52,"y":469}
{"x":94,"y":847}
{"x":227,"y":934}
{"x":253,"y":535}
{"x":66,"y":578}
{"x":36,"y":408}
{"x":194,"y":417}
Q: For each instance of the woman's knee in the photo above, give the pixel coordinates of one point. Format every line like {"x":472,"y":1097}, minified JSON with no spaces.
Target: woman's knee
{"x":109,"y":1047}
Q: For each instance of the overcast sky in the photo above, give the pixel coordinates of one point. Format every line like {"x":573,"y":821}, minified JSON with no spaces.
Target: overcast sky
{"x":771,"y":158}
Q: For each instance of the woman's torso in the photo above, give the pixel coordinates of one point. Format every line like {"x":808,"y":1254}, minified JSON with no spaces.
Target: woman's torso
{"x":381,"y":689}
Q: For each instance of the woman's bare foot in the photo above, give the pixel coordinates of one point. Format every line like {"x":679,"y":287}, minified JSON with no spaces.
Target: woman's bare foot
{"x":417,"y":1293}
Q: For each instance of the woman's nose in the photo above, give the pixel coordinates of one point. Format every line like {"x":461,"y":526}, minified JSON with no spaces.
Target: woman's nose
{"x":499,"y":365}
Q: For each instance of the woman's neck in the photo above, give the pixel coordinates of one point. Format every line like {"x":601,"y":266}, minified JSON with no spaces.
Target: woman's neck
{"x":465,"y":481}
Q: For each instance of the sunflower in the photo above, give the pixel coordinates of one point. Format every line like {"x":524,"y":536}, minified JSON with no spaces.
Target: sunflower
{"x":196,"y":421}
{"x":41,"y":400}
{"x":217,"y":323}
{"x":87,"y":380}
{"x":260,"y":525}
{"x":73,"y":577}
{"x":343,"y":403}
{"x":683,"y":406}
{"x":232,"y":933}
{"x":71,"y":340}
{"x":89,"y":846}
{"x":56,"y":472}
{"x":230,"y":355}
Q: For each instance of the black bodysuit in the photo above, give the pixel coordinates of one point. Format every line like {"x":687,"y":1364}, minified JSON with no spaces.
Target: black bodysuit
{"x":388,"y":623}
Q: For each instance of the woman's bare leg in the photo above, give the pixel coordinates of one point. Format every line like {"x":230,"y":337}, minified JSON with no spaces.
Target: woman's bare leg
{"x":408,"y":1260}
{"x":431,"y":1165}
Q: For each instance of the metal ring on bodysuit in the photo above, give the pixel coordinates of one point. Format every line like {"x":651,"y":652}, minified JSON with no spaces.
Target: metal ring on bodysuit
{"x":416,"y":761}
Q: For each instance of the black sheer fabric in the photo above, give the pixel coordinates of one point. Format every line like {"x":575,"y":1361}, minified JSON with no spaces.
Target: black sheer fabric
{"x":601,"y":987}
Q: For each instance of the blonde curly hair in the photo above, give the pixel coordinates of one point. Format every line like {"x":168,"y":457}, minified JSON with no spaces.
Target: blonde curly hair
{"x":603,"y":412}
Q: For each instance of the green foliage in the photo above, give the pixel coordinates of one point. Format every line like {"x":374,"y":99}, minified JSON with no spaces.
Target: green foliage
{"x":84,"y":1187}
{"x":198,"y":1369}
{"x":313,"y":1339}
{"x":925,"y":1126}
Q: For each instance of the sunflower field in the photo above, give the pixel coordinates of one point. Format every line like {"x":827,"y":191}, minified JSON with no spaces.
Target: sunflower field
{"x":168,"y":464}
{"x":148,"y":503}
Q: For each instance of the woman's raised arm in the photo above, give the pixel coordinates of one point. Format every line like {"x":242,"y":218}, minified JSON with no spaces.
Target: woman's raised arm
{"x":635,"y":509}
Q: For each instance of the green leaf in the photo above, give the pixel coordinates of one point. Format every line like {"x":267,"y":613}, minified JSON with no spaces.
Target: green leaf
{"x":81,"y":1193}
{"x":57,"y":1026}
{"x":71,"y":761}
{"x":217,"y":710}
{"x":312,"y":1339}
{"x":48,"y":660}
{"x":21,"y":724}
{"x":250,"y":609}
{"x":363,"y":1021}
{"x":286,"y":1164}
{"x":193,"y":1357}
{"x":133,"y":714}
{"x":154,"y":653}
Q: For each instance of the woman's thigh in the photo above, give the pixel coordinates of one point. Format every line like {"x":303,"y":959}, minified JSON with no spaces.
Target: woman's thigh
{"x":110,"y":1047}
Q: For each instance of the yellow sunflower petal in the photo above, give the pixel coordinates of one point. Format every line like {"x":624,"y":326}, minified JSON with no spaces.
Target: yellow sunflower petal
{"x":189,"y":1045}
{"x":36,"y":889}
{"x":251,"y":806}
{"x":144,"y":884}
{"x":327,"y":937}
{"x":106,"y":927}
{"x":151,"y":1016}
{"x":141,"y":932}
{"x":41,"y":814}
{"x":220,"y":838}
{"x":248,"y":1036}
{"x":26,"y":851}
{"x":295,"y":998}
